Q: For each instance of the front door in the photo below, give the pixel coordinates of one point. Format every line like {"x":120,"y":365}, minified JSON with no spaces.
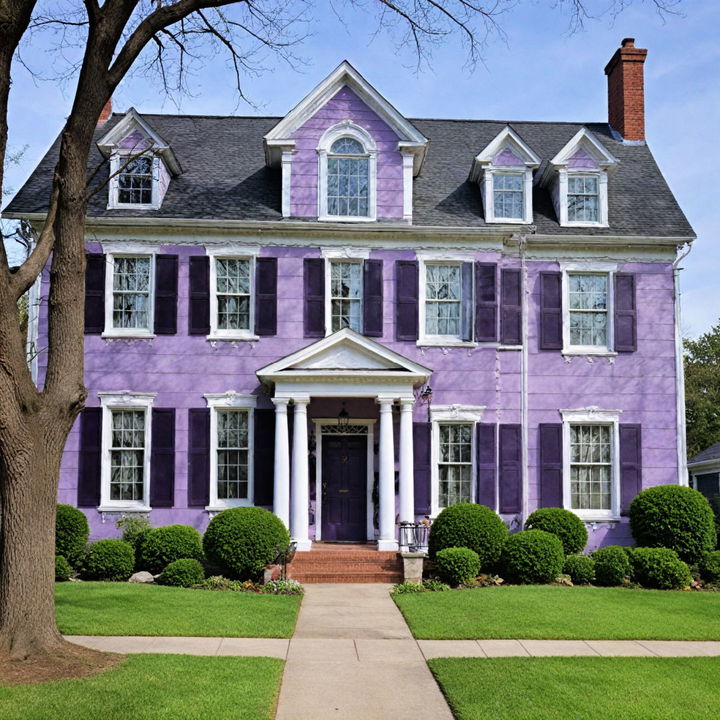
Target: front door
{"x":344,"y":487}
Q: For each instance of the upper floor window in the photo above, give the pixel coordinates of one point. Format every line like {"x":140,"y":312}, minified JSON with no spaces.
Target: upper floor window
{"x":135,"y":182}
{"x":232,"y":285}
{"x":588,"y":310}
{"x":508,"y":196}
{"x":346,"y":295}
{"x":443,"y":300}
{"x":131,"y":308}
{"x":583,"y":198}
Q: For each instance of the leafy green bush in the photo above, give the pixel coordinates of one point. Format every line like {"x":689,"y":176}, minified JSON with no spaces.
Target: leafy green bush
{"x":674,"y":517}
{"x":134,"y":529}
{"x":715,"y":506}
{"x":71,"y":533}
{"x":565,"y":524}
{"x":408,"y":588}
{"x":532,"y":556}
{"x":470,"y":526}
{"x":63,"y":571}
{"x":241,"y":541}
{"x":282,"y":587}
{"x":185,"y":572}
{"x":710,"y":567}
{"x":612,"y":565}
{"x":457,"y":565}
{"x":580,"y":568}
{"x":108,"y":560}
{"x":163,"y":545}
{"x":433,"y":585}
{"x":660,"y":568}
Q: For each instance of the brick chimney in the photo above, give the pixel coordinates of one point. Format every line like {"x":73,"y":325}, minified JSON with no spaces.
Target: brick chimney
{"x":626,"y":91}
{"x":105,"y":113}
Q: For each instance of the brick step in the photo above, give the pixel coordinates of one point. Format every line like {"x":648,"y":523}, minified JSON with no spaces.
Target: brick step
{"x":344,"y":569}
{"x":330,"y":555}
{"x":347,"y":577}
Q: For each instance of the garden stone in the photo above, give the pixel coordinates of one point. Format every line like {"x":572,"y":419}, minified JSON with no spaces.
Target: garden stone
{"x":413,"y":567}
{"x":142,"y":577}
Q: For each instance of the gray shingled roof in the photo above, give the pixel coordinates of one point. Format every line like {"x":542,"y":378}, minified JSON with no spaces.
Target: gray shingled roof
{"x":225,"y":177}
{"x":711,"y":453}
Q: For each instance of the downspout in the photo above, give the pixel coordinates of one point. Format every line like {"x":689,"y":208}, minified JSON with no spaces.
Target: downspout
{"x":524,"y":429}
{"x":680,"y":429}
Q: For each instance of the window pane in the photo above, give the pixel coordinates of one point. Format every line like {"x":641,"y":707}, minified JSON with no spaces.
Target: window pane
{"x":233,"y":293}
{"x":583,"y":199}
{"x":588,"y":301}
{"x":590,"y":467}
{"x":347,"y":146}
{"x":455,"y":464}
{"x":131,"y":292}
{"x":443,"y":294}
{"x":508,"y":196}
{"x":135,"y":181}
{"x":127,"y":455}
{"x":232,"y":454}
{"x":347,"y":180}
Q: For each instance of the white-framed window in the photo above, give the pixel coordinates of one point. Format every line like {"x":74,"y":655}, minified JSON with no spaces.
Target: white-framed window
{"x":583,"y":198}
{"x":231,"y":450}
{"x":508,"y":196}
{"x":443,"y":299}
{"x":126,"y":445}
{"x":134,"y":181}
{"x":346,"y":295}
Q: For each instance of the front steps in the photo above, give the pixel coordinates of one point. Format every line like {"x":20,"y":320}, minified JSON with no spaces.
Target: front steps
{"x":338,"y":563}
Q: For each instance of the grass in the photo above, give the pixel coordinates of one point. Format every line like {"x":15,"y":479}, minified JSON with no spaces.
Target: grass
{"x":130,"y":609}
{"x":580,"y":688}
{"x":155,"y":687}
{"x":554,"y":612}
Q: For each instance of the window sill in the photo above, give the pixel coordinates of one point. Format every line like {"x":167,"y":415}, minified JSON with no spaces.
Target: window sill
{"x":509,"y":221}
{"x":124,"y":509}
{"x":449,"y":342}
{"x":510,"y":347}
{"x":594,"y":353}
{"x":594,"y":520}
{"x":584,"y":224}
{"x":127,"y":336}
{"x":220,"y":508}
{"x":233,"y":338}
{"x":345,"y":219}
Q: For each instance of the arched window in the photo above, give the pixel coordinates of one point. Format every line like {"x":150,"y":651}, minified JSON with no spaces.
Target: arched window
{"x":348,"y":171}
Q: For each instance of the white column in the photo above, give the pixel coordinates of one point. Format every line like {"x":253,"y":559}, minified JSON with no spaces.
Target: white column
{"x":281,"y":478}
{"x":387,"y":539}
{"x":407,"y":489}
{"x":300,"y":492}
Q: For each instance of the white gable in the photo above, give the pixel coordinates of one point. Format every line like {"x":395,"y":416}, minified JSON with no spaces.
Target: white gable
{"x":506,"y":149}
{"x":584,"y":141}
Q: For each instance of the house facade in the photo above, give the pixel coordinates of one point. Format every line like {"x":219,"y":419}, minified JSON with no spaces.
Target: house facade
{"x":355,"y":319}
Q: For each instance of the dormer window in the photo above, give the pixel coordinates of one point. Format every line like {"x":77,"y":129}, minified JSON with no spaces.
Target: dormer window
{"x":583,"y":198}
{"x":508,"y":196}
{"x":135,"y":182}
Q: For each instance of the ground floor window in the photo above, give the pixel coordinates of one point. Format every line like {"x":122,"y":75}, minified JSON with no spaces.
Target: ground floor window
{"x":455,"y":467}
{"x":232,"y":455}
{"x":127,"y":455}
{"x":591,"y":467}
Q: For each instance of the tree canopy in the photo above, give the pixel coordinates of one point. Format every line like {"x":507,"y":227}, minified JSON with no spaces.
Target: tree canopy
{"x":702,"y":391}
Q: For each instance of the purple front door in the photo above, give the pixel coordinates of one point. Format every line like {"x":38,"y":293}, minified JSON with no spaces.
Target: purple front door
{"x":344,"y":487}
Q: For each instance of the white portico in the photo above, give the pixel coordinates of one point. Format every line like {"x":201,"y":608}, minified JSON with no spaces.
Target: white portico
{"x":343,"y":365}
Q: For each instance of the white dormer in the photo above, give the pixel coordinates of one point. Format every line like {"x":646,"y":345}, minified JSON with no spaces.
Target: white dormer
{"x":504,"y":171}
{"x":577,"y":178}
{"x":141,"y":164}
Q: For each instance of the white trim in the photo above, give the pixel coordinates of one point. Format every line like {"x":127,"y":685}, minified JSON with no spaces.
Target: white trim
{"x":407,"y":164}
{"x":584,"y":139}
{"x":286,"y":162}
{"x":506,"y":138}
{"x":487,"y":189}
{"x":117,"y":160}
{"x":345,"y":253}
{"x":455,"y":259}
{"x":128,"y":333}
{"x":680,"y":419}
{"x":129,"y":247}
{"x":457,"y":413}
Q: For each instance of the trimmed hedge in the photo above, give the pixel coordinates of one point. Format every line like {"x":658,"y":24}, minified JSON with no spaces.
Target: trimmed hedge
{"x":63,"y":571}
{"x":612,"y":565}
{"x":710,"y":567}
{"x":532,"y":557}
{"x":472,"y":526}
{"x":71,"y":533}
{"x":580,"y":568}
{"x":457,"y":565}
{"x":182,"y":573}
{"x":565,"y":524}
{"x":161,"y":546}
{"x":675,"y":517}
{"x":659,"y":568}
{"x":241,"y":541}
{"x":108,"y":560}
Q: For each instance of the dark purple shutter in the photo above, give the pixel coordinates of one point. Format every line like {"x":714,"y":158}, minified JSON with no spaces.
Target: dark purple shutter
{"x":199,"y":315}
{"x":467,"y":308}
{"x":510,"y":307}
{"x":162,"y":458}
{"x":373,"y":298}
{"x":88,"y":490}
{"x":314,"y":284}
{"x":166,"y":294}
{"x":510,"y":468}
{"x":266,"y":296}
{"x":406,"y":300}
{"x":625,"y":313}
{"x":421,"y":465}
{"x":486,"y":463}
{"x":551,"y":464}
{"x":198,"y":457}
{"x":264,"y":457}
{"x":550,"y":330}
{"x":94,"y":294}
{"x":630,"y":464}
{"x":485,"y":302}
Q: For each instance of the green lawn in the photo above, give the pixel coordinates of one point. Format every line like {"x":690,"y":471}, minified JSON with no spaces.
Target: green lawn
{"x":130,"y":609}
{"x":155,"y":687}
{"x":554,"y":612}
{"x":580,"y":688}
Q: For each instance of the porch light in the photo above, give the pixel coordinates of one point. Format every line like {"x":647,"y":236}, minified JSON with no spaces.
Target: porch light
{"x":343,"y":417}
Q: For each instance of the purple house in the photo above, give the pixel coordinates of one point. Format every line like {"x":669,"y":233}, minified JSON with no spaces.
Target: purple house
{"x":356,"y":319}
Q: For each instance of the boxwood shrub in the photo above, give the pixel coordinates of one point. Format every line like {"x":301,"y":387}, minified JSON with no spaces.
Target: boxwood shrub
{"x":532,"y":556}
{"x":108,"y":560}
{"x":63,"y":571}
{"x":161,"y":546}
{"x":182,"y":573}
{"x":71,"y":533}
{"x":674,"y":517}
{"x":710,"y":567}
{"x":241,"y":541}
{"x":565,"y":524}
{"x":457,"y":565}
{"x":470,"y":526}
{"x":612,"y":565}
{"x":659,"y":568}
{"x":580,"y":568}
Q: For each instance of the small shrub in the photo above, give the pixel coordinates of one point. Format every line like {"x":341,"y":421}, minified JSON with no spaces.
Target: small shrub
{"x":580,"y":568}
{"x":71,"y":533}
{"x":282,"y":587}
{"x":185,"y":572}
{"x":612,"y":565}
{"x":674,"y":517}
{"x":532,"y":556}
{"x":163,"y":545}
{"x":660,"y":568}
{"x":470,"y":526}
{"x":710,"y":567}
{"x":457,"y":565}
{"x":63,"y":571}
{"x":433,"y":585}
{"x":108,"y":560}
{"x":408,"y":588}
{"x":241,"y":541}
{"x":134,"y":529}
{"x":218,"y":582}
{"x":565,"y":524}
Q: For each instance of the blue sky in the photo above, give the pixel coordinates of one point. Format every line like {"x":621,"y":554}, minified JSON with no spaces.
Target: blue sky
{"x":538,"y":72}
